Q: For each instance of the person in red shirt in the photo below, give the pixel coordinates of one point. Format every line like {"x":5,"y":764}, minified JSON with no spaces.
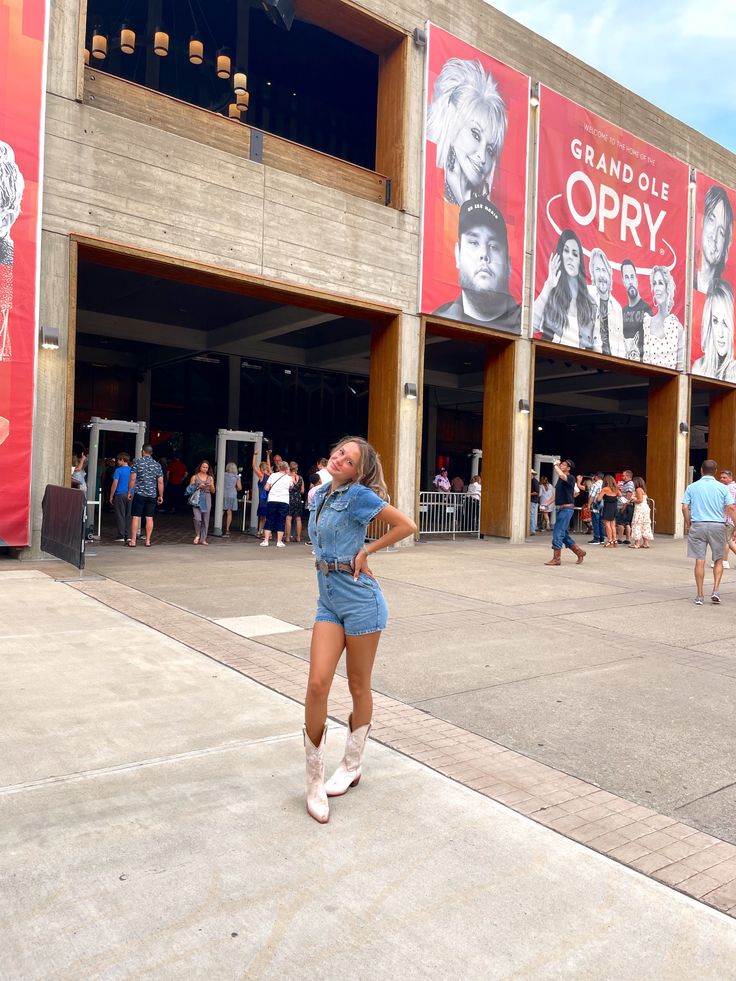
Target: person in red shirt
{"x":177,"y":474}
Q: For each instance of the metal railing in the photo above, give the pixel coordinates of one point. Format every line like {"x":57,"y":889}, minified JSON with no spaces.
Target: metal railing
{"x":446,"y":513}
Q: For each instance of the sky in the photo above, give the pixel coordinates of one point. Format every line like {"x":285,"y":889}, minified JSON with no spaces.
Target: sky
{"x":678,"y":54}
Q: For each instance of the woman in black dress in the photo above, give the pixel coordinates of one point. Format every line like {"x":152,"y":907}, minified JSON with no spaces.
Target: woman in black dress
{"x":609,"y":498}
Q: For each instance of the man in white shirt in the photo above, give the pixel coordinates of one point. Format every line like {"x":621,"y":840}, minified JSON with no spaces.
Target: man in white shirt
{"x":608,"y":328}
{"x":441,"y":481}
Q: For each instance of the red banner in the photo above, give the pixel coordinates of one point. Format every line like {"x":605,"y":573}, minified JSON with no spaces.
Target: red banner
{"x":22,"y":57}
{"x":611,"y":240}
{"x":714,"y":276}
{"x":477,"y":123}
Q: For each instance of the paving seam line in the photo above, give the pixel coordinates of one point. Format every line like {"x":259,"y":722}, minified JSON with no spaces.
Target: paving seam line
{"x":695,"y":863}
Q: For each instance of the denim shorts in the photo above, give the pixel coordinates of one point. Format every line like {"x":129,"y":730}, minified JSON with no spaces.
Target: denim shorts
{"x":358,"y":607}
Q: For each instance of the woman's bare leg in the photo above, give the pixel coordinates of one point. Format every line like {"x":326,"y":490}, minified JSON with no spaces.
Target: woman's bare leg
{"x":361,"y":654}
{"x":328,"y":643}
{"x":228,"y":521}
{"x":298,"y":529}
{"x":287,"y":528}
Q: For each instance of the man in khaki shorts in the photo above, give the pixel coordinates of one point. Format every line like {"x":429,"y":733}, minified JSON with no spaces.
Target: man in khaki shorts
{"x":705,"y":506}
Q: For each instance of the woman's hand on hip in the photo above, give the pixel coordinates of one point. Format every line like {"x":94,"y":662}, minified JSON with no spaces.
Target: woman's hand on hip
{"x":360,"y":564}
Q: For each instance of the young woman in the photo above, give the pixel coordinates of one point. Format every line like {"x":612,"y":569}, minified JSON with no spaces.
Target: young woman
{"x":202,"y":481}
{"x":717,"y":337}
{"x":351,"y":610}
{"x":608,"y":497}
{"x":231,"y":490}
{"x":641,"y":523}
{"x":546,"y":503}
{"x":296,"y":503}
{"x":263,"y":472}
{"x":564,"y":312}
{"x":664,"y":335}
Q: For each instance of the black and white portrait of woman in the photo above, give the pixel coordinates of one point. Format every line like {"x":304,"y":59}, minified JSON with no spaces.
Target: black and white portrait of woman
{"x":664,"y":335}
{"x":11,"y":192}
{"x":717,"y":338}
{"x":715,"y":237}
{"x":467,"y":120}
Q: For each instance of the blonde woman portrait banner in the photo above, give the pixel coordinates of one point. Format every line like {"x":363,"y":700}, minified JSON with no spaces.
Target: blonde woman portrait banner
{"x":714,"y":276}
{"x":477,"y":120}
{"x":610,"y":251}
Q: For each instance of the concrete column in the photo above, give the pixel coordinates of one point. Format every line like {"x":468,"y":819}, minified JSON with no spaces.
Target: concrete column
{"x":67,"y":22}
{"x":409,"y":422}
{"x":521,"y":441}
{"x":233,"y":392}
{"x":50,"y":463}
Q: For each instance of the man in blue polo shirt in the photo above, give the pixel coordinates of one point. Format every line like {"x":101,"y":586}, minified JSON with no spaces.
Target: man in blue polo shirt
{"x":705,"y":506}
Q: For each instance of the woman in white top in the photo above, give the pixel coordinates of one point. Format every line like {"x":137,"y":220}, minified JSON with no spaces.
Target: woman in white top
{"x":664,"y":336}
{"x":546,"y":503}
{"x":278,"y":504}
{"x":564,"y":312}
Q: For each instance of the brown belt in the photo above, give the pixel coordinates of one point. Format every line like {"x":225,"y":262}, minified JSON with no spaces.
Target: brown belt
{"x":327,"y":567}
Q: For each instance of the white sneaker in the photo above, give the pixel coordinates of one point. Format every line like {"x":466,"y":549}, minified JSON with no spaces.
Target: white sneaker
{"x":263,"y":544}
{"x":280,"y":545}
{"x":726,"y":564}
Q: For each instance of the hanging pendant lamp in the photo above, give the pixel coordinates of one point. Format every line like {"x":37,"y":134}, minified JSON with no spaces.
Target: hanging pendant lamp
{"x":160,"y":43}
{"x":223,"y":63}
{"x":240,"y":83}
{"x":196,"y":49}
{"x":99,"y":44}
{"x":127,"y":39}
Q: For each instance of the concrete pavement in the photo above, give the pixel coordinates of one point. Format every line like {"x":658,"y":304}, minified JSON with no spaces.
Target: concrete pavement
{"x":154,"y":826}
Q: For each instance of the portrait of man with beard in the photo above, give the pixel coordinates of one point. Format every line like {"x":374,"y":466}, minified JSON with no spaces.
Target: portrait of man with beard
{"x":633,"y":312}
{"x":484,"y":269}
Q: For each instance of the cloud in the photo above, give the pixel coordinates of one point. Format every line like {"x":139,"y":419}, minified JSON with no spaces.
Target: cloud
{"x":665,"y":52}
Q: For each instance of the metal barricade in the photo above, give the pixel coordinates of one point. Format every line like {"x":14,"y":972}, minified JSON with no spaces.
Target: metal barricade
{"x":442,"y":513}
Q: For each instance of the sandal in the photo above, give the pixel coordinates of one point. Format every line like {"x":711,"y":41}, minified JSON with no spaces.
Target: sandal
{"x":196,"y":541}
{"x":132,"y":545}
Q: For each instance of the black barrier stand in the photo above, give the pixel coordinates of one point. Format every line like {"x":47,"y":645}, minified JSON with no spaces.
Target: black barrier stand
{"x":64,"y":523}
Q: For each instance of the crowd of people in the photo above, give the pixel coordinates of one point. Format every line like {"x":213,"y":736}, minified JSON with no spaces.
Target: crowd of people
{"x":614,"y":511}
{"x":136,"y":490}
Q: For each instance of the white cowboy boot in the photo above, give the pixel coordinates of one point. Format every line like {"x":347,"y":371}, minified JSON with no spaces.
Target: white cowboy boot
{"x":348,"y":772}
{"x":317,"y":805}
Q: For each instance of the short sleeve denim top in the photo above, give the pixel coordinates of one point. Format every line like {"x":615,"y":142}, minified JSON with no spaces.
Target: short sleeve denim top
{"x":337,"y":529}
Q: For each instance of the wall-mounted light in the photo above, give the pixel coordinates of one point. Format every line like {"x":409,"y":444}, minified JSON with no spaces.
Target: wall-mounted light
{"x":534,"y":95}
{"x":420,"y":37}
{"x":684,"y":429}
{"x":524,"y":406}
{"x":240,"y":83}
{"x":540,"y":429}
{"x":50,"y":338}
{"x":196,"y":49}
{"x":223,"y":64}
{"x":99,"y":44}
{"x":693,"y":177}
{"x":160,"y":43}
{"x":127,"y":39}
{"x":410,"y":390}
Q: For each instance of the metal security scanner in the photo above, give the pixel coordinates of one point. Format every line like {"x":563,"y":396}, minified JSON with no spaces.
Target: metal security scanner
{"x":225,"y":436}
{"x":97,"y":426}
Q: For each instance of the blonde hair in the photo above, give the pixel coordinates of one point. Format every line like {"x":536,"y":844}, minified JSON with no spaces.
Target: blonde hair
{"x":294,"y":466}
{"x":231,"y":468}
{"x":370,"y":471}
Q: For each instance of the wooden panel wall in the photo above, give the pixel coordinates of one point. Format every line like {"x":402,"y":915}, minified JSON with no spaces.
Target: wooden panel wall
{"x":392,"y":114}
{"x":722,"y":429}
{"x":384,"y":398}
{"x":163,"y":112}
{"x":498,"y":439}
{"x":662,"y":438}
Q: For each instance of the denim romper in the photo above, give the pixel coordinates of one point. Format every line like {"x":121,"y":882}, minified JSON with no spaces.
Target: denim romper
{"x":358,"y":607}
